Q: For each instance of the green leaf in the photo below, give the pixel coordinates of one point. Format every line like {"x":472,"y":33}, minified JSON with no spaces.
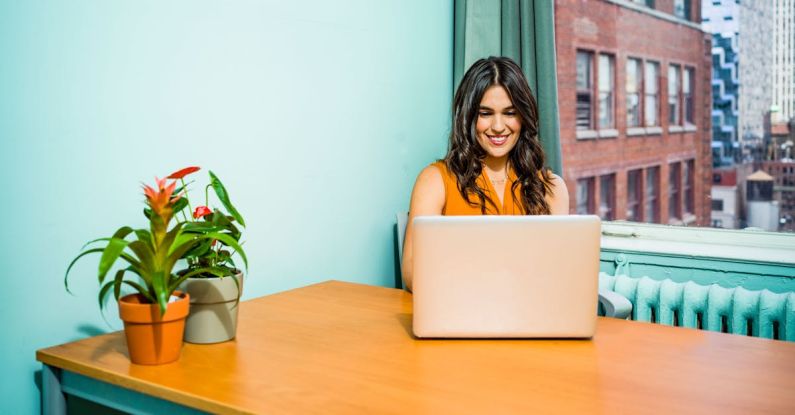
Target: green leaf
{"x":144,"y":235}
{"x":161,"y":290}
{"x":95,"y":240}
{"x":180,"y":204}
{"x":110,"y":255}
{"x":69,"y":268}
{"x":141,"y":290}
{"x":148,"y":213}
{"x":232,"y":243}
{"x":145,"y":255}
{"x":197,"y":271}
{"x":223,"y":196}
{"x":166,"y":243}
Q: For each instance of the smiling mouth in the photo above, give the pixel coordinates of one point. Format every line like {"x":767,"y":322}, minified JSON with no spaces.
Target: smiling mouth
{"x":497,"y":140}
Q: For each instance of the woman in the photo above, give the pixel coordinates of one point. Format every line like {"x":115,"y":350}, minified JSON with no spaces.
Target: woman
{"x":495,"y":163}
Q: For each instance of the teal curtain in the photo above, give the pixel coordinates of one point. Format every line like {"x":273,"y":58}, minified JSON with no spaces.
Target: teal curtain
{"x":523,"y":30}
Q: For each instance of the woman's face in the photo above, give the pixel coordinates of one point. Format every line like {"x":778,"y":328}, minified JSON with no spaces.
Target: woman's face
{"x":498,"y":125}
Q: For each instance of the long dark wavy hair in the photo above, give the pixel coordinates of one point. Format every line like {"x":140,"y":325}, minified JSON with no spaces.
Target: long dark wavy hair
{"x":465,"y":155}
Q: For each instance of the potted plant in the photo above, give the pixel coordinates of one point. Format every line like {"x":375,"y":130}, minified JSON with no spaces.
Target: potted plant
{"x":210,"y":276}
{"x":154,"y":316}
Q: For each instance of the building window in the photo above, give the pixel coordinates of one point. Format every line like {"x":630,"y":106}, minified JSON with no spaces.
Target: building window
{"x":648,"y":3}
{"x":651,"y":211}
{"x":584,"y":90}
{"x":634,"y":195}
{"x":717,"y":205}
{"x":682,"y":9}
{"x":673,"y":95}
{"x":687,"y":90}
{"x":688,"y":179}
{"x":585,"y":196}
{"x":607,"y":199}
{"x":633,"y":87}
{"x":651,"y":93}
{"x":606,"y":95}
{"x":674,"y":193}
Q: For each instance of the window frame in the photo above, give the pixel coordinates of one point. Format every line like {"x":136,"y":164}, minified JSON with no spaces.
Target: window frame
{"x":635,"y":206}
{"x":675,"y":191}
{"x":639,"y":92}
{"x":688,"y":97}
{"x":675,"y":99}
{"x":610,"y":92}
{"x":590,"y":202}
{"x":607,"y":197}
{"x":656,"y":94}
{"x":688,"y":187}
{"x":651,"y":194}
{"x":582,"y":91}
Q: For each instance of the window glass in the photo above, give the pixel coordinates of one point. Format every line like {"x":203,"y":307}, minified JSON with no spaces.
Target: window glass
{"x":584,"y":85}
{"x":687,"y":91}
{"x":687,"y":183}
{"x":652,"y":204}
{"x":607,"y":200}
{"x":674,"y":195}
{"x":634,"y":195}
{"x":633,"y":87}
{"x":673,"y":95}
{"x":650,"y":86}
{"x":606,"y":107}
{"x":585,"y":196}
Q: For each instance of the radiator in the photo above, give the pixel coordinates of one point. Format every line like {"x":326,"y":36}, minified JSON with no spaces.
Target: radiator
{"x":688,"y":304}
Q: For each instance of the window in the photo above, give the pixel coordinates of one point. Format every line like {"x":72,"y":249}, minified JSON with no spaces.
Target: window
{"x":682,"y":9}
{"x":673,"y":95}
{"x":606,"y":96}
{"x":687,"y":91}
{"x":634,"y":194}
{"x":687,"y":185}
{"x":584,"y":85}
{"x":607,"y":199}
{"x":652,"y":203}
{"x":585,"y":196}
{"x":674,"y":194}
{"x":651,"y":87}
{"x":633,"y":87}
{"x":717,"y":205}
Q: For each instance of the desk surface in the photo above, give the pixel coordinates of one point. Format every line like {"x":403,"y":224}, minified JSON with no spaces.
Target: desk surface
{"x":341,"y":347}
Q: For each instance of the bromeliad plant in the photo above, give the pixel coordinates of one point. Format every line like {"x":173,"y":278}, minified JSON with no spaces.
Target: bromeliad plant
{"x":152,"y":254}
{"x":212,"y":256}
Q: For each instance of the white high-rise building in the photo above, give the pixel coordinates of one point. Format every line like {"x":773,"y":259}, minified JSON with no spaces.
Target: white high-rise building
{"x":755,"y":92}
{"x":784,"y":60}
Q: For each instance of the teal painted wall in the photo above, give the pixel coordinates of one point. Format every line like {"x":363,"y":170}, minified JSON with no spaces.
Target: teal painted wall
{"x":316,"y":115}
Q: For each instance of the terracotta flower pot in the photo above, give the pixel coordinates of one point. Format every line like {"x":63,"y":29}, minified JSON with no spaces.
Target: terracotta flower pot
{"x":213,"y":308}
{"x":153,"y":339}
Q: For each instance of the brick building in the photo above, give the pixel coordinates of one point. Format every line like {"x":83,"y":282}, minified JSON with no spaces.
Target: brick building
{"x":634,"y":94}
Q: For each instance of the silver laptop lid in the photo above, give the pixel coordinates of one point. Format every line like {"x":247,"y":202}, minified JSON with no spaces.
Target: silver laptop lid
{"x":505,"y":276}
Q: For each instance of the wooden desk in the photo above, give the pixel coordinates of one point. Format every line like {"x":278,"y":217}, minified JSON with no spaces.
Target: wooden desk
{"x":339,"y":347}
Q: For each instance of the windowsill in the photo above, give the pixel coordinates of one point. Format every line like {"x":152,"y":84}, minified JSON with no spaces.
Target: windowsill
{"x":691,"y":128}
{"x":675,"y":129}
{"x":587,"y":134}
{"x":728,"y":244}
{"x":689,"y":219}
{"x":608,"y":133}
{"x":654,"y":130}
{"x":635,"y":131}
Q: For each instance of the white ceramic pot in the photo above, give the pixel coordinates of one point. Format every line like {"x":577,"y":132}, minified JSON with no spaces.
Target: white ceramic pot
{"x":213,"y":308}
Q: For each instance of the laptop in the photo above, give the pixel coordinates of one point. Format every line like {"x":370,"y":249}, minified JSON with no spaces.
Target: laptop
{"x":505,"y":276}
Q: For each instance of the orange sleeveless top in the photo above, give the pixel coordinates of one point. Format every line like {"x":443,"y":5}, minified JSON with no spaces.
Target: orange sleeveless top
{"x":456,"y":205}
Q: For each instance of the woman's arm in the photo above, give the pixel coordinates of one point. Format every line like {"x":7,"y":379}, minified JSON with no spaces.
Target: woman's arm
{"x":427,"y":199}
{"x":559,"y":199}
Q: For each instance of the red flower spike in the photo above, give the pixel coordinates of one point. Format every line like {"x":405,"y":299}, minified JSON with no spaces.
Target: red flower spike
{"x":201,"y":211}
{"x":184,"y":172}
